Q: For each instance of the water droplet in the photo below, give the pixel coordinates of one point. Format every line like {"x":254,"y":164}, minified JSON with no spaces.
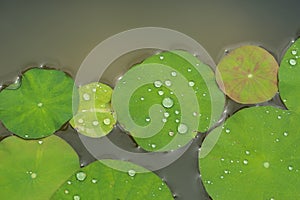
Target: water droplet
{"x":131,"y":172}
{"x":171,"y":133}
{"x":294,"y":52}
{"x":160,"y":92}
{"x":195,"y":114}
{"x":292,"y":62}
{"x":277,"y":140}
{"x":226,"y":171}
{"x":86,"y":97}
{"x":177,"y":112}
{"x":95,"y":123}
{"x":222,"y":177}
{"x":266,"y":164}
{"x":40,"y":104}
{"x":153,"y":146}
{"x":279,"y":117}
{"x":189,"y":70}
{"x":164,"y":120}
{"x":69,"y":182}
{"x":80,"y":176}
{"x":272,"y":198}
{"x":76,"y":197}
{"x":106,"y":121}
{"x":222,"y":159}
{"x":177,"y":120}
{"x":26,"y":136}
{"x":157,"y":84}
{"x":80,"y":121}
{"x":173,"y":74}
{"x":250,"y":76}
{"x":66,"y":191}
{"x":168,"y":83}
{"x":142,"y":98}
{"x":209,"y":182}
{"x":40,"y":141}
{"x":285,"y":134}
{"x":147,"y":119}
{"x":247,"y":152}
{"x":167,"y":102}
{"x":161,"y":57}
{"x":227,"y":130}
{"x":94,"y":180}
{"x":166,"y":114}
{"x":245,"y":162}
{"x":290,"y":168}
{"x":231,"y":161}
{"x":182,"y":128}
{"x":33,"y":175}
{"x":191,"y":83}
{"x":149,"y":90}
{"x":204,"y":94}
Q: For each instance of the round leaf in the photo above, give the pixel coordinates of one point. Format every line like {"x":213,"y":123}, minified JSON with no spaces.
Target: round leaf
{"x":34,"y":169}
{"x":164,"y":101}
{"x":289,"y":73}
{"x":40,"y":106}
{"x":254,"y":156}
{"x":95,"y":117}
{"x":248,"y":75}
{"x":112,"y":179}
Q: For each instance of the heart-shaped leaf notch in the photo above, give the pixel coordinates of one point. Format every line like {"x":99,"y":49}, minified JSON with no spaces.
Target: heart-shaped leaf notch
{"x":254,"y":156}
{"x":164,"y":101}
{"x":40,"y":106}
{"x":95,"y":117}
{"x":248,"y":75}
{"x":113,"y":179}
{"x":34,"y":169}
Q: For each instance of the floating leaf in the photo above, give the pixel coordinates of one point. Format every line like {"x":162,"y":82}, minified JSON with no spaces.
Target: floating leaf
{"x":164,"y":101}
{"x":248,"y":75}
{"x":112,"y":179}
{"x":94,"y":117}
{"x":254,"y":156}
{"x":289,"y":73}
{"x":40,"y":106}
{"x":34,"y":169}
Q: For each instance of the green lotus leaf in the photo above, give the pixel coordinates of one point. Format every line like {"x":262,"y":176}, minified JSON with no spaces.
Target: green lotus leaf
{"x":111,"y":180}
{"x":164,"y":101}
{"x":289,"y":73}
{"x":248,"y":75}
{"x":34,"y":169}
{"x":95,"y":117}
{"x":255,"y":155}
{"x":40,"y":106}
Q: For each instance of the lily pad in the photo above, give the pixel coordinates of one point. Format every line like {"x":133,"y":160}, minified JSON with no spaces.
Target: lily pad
{"x":34,"y":169}
{"x":248,"y":75}
{"x":103,"y":180}
{"x":164,"y":101}
{"x":289,"y":81}
{"x":95,"y":117}
{"x":40,"y":106}
{"x":254,"y":156}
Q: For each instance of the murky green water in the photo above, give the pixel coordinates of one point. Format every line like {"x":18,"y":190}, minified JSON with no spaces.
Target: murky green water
{"x":63,"y":33}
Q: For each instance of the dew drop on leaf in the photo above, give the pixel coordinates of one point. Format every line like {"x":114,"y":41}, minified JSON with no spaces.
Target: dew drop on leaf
{"x":81,"y":176}
{"x":131,"y":172}
{"x":292,"y":62}
{"x":157,"y":84}
{"x":167,"y":102}
{"x":76,"y":197}
{"x":182,"y":128}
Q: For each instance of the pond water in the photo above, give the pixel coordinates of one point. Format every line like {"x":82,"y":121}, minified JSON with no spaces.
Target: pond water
{"x":62,"y":35}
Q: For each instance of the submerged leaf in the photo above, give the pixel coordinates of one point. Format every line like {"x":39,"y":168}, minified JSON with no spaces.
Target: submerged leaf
{"x":248,"y":75}
{"x":95,"y":117}
{"x":40,"y":106}
{"x":164,"y":101}
{"x":289,"y":81}
{"x":34,"y":169}
{"x":254,"y":156}
{"x":111,"y":180}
